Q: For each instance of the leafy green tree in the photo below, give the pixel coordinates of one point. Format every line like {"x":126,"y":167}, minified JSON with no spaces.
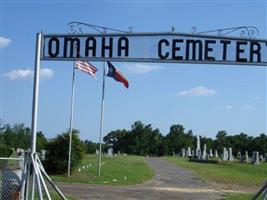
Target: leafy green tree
{"x":259,"y":144}
{"x":176,"y":138}
{"x":118,"y":140}
{"x":56,"y":161}
{"x":5,"y":151}
{"x":41,"y":141}
{"x":221,"y":141}
{"x":90,"y":147}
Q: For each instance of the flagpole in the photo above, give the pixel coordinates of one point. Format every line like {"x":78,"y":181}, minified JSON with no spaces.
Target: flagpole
{"x":71,"y":117}
{"x":101,"y":120}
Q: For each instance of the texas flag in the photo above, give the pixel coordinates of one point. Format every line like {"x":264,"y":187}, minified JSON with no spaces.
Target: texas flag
{"x":117,"y":75}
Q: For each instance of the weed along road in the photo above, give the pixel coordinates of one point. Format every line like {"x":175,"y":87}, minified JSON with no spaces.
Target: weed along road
{"x":170,"y":182}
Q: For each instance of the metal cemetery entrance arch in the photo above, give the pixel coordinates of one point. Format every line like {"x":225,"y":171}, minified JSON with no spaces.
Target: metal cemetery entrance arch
{"x":155,"y":47}
{"x":167,"y":47}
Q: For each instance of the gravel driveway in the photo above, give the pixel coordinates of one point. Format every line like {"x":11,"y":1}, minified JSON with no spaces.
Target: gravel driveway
{"x":170,"y":183}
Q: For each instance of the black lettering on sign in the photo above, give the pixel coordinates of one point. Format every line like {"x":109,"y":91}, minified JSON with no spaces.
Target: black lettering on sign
{"x":53,"y":42}
{"x":225,"y":43}
{"x":90,"y":46}
{"x":175,"y":48}
{"x":71,"y":45}
{"x":239,"y":51}
{"x":194,"y":44}
{"x":255,"y":51}
{"x":108,"y":47}
{"x":123,"y":45}
{"x":163,"y":41}
{"x":209,"y":49}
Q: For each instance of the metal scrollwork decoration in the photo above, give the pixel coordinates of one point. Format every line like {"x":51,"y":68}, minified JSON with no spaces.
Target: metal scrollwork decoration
{"x":81,"y":27}
{"x":244,"y":31}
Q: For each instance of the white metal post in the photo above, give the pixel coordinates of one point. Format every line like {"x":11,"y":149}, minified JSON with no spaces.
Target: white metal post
{"x":101,"y":120}
{"x":35,"y":101}
{"x":71,"y":117}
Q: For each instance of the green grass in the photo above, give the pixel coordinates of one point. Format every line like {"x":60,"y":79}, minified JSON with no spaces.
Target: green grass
{"x":54,"y":196}
{"x":230,"y":173}
{"x":240,"y":197}
{"x":116,"y":170}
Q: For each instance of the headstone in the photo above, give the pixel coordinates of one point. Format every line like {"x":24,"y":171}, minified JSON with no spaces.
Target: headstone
{"x":204,"y":153}
{"x":43,"y":153}
{"x":225,"y":154}
{"x":193,"y":153}
{"x":198,"y":150}
{"x":261,"y":158}
{"x":246,"y":157}
{"x":255,"y":157}
{"x":110,"y":151}
{"x":183,"y":152}
{"x":239,"y":156}
{"x":216,"y":153}
{"x":189,"y":153}
{"x":97,"y":152}
{"x":20,"y":152}
{"x":230,"y":155}
{"x":211,"y":153}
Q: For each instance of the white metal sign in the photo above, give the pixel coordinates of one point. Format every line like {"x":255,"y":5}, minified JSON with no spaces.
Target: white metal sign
{"x":155,"y":47}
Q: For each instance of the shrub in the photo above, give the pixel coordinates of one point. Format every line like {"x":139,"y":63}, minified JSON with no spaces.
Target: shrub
{"x":5,"y":151}
{"x":56,"y":161}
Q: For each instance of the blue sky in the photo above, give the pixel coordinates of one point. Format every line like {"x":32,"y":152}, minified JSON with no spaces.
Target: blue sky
{"x":204,"y":98}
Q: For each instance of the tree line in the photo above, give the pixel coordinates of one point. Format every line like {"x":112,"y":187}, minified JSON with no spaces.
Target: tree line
{"x":141,"y":139}
{"x":144,"y":140}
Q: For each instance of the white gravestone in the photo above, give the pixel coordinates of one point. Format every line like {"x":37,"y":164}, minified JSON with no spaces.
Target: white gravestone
{"x":230,"y":157}
{"x":110,"y":152}
{"x":198,"y":150}
{"x":216,"y":153}
{"x":225,"y":154}
{"x":246,"y":157}
{"x":189,"y":153}
{"x":193,"y":153}
{"x":255,"y":157}
{"x":211,"y":153}
{"x":204,"y":154}
{"x":183,"y":152}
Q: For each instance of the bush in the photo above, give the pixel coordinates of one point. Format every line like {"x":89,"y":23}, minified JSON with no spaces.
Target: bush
{"x":56,"y":161}
{"x":5,"y":151}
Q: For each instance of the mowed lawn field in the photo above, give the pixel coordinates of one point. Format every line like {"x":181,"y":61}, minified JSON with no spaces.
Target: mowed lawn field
{"x":116,"y":170}
{"x":229,"y":175}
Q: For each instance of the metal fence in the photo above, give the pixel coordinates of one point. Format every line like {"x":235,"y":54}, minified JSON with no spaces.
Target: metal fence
{"x":11,"y":184}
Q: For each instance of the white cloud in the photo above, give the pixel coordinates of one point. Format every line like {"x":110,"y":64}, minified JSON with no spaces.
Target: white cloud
{"x":255,"y":98}
{"x":27,"y":74}
{"x":246,"y":107}
{"x":138,"y":68}
{"x":197,"y":91}
{"x":4,"y":42}
{"x":217,"y":107}
{"x":228,"y":107}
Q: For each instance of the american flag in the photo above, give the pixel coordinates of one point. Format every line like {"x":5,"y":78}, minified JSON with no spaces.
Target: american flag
{"x":86,"y":67}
